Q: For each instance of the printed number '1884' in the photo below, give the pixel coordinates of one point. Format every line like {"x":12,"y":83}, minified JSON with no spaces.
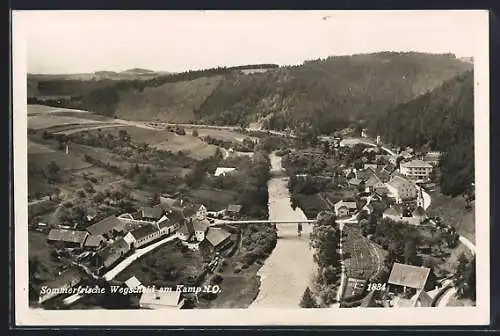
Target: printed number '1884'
{"x":376,"y":286}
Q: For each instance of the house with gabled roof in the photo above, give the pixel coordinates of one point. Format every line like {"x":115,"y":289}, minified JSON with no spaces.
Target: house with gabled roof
{"x":64,"y":281}
{"x":108,"y":227}
{"x":408,"y":276}
{"x":401,"y":189}
{"x":145,"y":235}
{"x":94,"y":242}
{"x":67,"y":238}
{"x":416,"y":169}
{"x":343,"y":208}
{"x":109,"y":255}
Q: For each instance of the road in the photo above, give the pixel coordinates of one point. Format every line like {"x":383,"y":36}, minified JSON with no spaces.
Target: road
{"x":136,"y":255}
{"x":343,"y":277}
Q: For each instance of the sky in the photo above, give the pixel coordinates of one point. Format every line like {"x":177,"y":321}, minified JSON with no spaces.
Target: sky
{"x":59,"y":42}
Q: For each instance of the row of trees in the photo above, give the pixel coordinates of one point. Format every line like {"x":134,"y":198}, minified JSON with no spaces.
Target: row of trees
{"x":324,"y":239}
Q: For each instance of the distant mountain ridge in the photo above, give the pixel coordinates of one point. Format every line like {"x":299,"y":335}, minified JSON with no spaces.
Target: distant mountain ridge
{"x":320,"y":95}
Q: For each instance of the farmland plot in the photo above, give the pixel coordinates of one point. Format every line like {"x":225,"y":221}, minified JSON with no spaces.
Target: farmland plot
{"x":361,"y":257}
{"x":50,"y":120}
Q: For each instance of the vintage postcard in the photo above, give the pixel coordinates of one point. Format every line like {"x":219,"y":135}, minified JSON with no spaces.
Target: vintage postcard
{"x":188,"y":168}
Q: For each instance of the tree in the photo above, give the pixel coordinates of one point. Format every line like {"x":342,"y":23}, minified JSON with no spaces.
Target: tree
{"x":194,"y":132}
{"x":465,"y":277}
{"x":52,"y":172}
{"x":307,"y":300}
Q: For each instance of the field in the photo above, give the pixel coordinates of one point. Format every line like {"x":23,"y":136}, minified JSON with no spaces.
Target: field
{"x":215,"y":200}
{"x":165,"y":266}
{"x":225,"y":135}
{"x":165,"y":140}
{"x":452,"y":211}
{"x":361,"y":258}
{"x":50,"y":120}
{"x":36,"y":148}
{"x":34,"y":109}
{"x":63,"y":160}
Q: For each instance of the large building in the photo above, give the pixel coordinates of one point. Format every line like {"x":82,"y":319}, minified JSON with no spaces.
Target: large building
{"x":401,"y":189}
{"x":416,"y":169}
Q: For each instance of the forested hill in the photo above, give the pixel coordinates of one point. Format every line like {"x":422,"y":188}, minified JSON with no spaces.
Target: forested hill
{"x":321,"y":95}
{"x":330,"y":93}
{"x":442,"y":120}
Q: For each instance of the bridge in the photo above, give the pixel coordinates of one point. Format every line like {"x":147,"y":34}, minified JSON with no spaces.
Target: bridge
{"x":268,"y":221}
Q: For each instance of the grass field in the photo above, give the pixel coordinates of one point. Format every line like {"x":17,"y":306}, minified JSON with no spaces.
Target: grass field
{"x":225,"y":135}
{"x":63,"y":160}
{"x":36,"y":148}
{"x":34,"y":109}
{"x":166,"y":266}
{"x":452,"y":211}
{"x":165,"y":140}
{"x":361,"y":259}
{"x":215,"y":200}
{"x":51,"y":120}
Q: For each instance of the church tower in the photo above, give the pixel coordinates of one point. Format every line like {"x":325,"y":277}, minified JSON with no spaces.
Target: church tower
{"x":420,"y":198}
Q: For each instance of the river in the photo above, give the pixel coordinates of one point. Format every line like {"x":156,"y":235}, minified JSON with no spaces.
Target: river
{"x":290,"y":267}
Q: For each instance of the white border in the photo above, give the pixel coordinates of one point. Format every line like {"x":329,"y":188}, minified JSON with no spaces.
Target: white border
{"x":479,"y":315}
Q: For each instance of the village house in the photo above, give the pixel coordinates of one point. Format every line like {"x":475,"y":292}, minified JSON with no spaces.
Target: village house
{"x":62,"y":282}
{"x":343,"y":208}
{"x":151,"y":214}
{"x":144,"y":235}
{"x":202,"y":212}
{"x":355,"y":182}
{"x":109,"y":255}
{"x":416,"y":169}
{"x":401,"y":189}
{"x":167,"y":226}
{"x":405,"y":276}
{"x":200,"y":228}
{"x":108,"y":227}
{"x":133,"y":283}
{"x":234,"y":211}
{"x":161,"y":299}
{"x":372,"y":166}
{"x":94,"y":242}
{"x":374,"y":183}
{"x":223,"y":171}
{"x":217,"y":239}
{"x":67,"y":238}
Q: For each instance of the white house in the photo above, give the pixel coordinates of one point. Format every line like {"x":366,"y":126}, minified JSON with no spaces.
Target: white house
{"x":167,"y":226}
{"x":416,"y":169}
{"x":144,"y":235}
{"x":161,"y":299}
{"x":223,"y":171}
{"x":202,"y":212}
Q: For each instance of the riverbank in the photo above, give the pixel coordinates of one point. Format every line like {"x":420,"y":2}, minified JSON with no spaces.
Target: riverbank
{"x":290,"y":268}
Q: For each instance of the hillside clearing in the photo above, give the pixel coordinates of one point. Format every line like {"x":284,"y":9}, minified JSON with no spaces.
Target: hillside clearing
{"x":452,"y":211}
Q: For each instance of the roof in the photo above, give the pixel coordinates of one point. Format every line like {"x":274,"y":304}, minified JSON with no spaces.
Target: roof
{"x":94,"y":240}
{"x":168,"y":201}
{"x":116,"y":248}
{"x":408,"y":275}
{"x":355,"y":181}
{"x":168,"y":299}
{"x":423,"y":298}
{"x":70,"y":276}
{"x":155,"y":212}
{"x":108,"y":224}
{"x":70,"y":236}
{"x":389,"y":168}
{"x":349,"y":205}
{"x":200,"y":225}
{"x":365,"y":174}
{"x":369,"y":300}
{"x":234,"y":208}
{"x":133,"y":282}
{"x":143,"y":231}
{"x":419,"y":211}
{"x":373,"y":180}
{"x":223,"y":170}
{"x":399,"y":182}
{"x":166,"y":223}
{"x":216,"y":236}
{"x":416,"y":163}
{"x":371,"y":166}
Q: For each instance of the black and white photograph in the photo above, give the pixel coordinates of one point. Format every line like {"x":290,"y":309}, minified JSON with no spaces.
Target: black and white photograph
{"x":251,"y":167}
